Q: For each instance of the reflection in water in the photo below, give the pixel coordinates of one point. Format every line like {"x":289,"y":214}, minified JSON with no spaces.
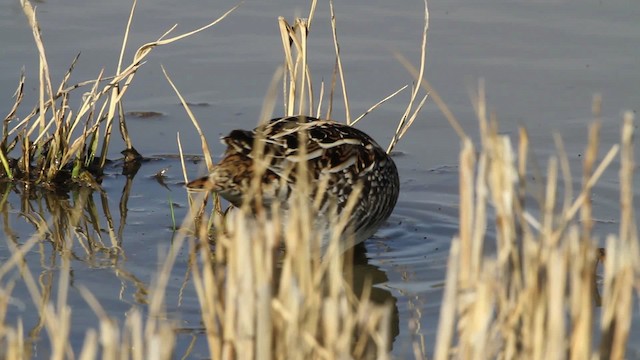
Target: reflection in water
{"x":78,"y":228}
{"x":412,"y":248}
{"x":365,"y":273}
{"x":82,"y":226}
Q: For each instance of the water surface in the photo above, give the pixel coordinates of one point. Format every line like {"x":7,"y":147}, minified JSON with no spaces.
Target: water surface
{"x":542,"y":62}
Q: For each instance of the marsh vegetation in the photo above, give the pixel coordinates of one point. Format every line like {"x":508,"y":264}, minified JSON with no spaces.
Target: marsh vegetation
{"x":525,"y":274}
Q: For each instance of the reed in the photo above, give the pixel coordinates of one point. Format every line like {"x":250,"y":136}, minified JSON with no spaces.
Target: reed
{"x":59,"y":147}
{"x":261,"y":302}
{"x":533,"y":298}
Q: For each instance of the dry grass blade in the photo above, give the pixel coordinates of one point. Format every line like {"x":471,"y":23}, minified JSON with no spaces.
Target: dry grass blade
{"x":115,"y":92}
{"x":466,"y":215}
{"x":446,"y":322}
{"x":140,"y":54}
{"x":269,"y":101}
{"x":126,"y":36}
{"x":628,"y":230}
{"x":287,"y":35}
{"x":181,"y":154}
{"x":455,"y":124}
{"x":535,"y":297}
{"x":146,"y":48}
{"x":55,"y":136}
{"x":194,"y":121}
{"x":336,"y":47}
{"x":582,"y":197}
{"x":303,"y":29}
{"x":320,"y":97}
{"x":403,"y":130}
{"x":18,"y":95}
{"x":67,"y":76}
{"x":406,"y":120}
{"x":374,"y":106}
{"x":297,"y":76}
{"x":45,"y":77}
{"x":587,"y":166}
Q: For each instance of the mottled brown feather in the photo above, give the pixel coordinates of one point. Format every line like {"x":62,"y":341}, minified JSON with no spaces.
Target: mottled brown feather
{"x":340,"y":154}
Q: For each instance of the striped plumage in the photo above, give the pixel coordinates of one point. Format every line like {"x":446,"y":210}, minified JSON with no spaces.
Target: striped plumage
{"x":336,"y":155}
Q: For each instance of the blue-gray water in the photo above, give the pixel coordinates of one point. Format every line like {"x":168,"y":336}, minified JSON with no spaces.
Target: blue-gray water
{"x":542,"y":62}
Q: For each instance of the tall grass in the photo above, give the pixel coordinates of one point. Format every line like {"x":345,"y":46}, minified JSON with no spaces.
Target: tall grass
{"x":533,"y":299}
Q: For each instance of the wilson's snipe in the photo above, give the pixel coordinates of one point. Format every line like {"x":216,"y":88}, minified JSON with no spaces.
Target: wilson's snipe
{"x":337,"y":158}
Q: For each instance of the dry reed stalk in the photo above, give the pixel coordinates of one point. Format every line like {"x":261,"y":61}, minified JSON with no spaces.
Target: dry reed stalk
{"x":12,"y":343}
{"x":299,"y":306}
{"x":446,"y":324}
{"x":98,"y":109}
{"x":203,"y":139}
{"x":586,"y":290}
{"x":621,"y":263}
{"x":466,"y":215}
{"x":297,"y":75}
{"x":252,"y":309}
{"x":446,"y":111}
{"x":535,"y":298}
{"x":5,"y":146}
{"x":259,"y":302}
{"x":55,"y":318}
{"x":340,"y":72}
{"x":406,"y":120}
{"x":374,"y":105}
{"x":155,"y":338}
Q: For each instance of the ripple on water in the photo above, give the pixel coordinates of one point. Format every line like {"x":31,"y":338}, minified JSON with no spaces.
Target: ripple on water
{"x":413,"y":246}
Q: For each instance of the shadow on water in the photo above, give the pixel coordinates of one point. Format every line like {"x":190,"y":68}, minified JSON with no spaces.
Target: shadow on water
{"x":93,"y":231}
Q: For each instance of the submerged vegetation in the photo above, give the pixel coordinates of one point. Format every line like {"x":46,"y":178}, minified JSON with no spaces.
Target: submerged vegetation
{"x":534,"y":298}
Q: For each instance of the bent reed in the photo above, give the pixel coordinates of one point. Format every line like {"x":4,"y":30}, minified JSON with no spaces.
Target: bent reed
{"x":533,"y":299}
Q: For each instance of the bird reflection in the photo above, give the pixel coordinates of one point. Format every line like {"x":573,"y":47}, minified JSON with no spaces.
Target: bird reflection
{"x":364,"y":273}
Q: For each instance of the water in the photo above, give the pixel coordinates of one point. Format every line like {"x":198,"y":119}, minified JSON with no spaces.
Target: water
{"x":542,"y":62}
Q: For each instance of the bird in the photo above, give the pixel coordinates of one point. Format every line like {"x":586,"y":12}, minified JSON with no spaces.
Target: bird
{"x":337,"y":160}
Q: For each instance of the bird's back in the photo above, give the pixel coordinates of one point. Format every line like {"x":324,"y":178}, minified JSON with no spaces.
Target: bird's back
{"x":334,"y":158}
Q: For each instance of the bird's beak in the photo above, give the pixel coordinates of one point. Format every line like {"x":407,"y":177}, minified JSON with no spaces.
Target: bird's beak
{"x":201,"y":183}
